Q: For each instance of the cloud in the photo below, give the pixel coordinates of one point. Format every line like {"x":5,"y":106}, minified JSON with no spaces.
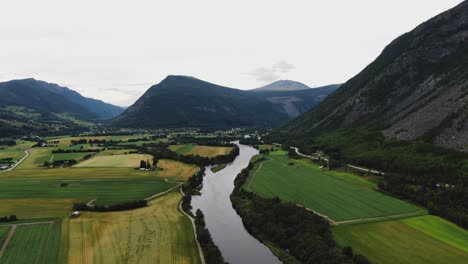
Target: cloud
{"x":264,"y":74}
{"x":283,"y":66}
{"x":270,"y":74}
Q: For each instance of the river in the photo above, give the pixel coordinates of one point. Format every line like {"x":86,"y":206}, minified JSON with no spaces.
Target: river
{"x":225,"y":225}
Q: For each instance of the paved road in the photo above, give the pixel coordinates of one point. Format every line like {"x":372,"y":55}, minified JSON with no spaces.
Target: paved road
{"x":26,"y":154}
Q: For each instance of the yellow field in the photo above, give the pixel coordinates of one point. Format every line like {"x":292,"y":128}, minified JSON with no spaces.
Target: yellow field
{"x":178,"y":170}
{"x":209,"y":151}
{"x":115,"y":161}
{"x":169,"y":168}
{"x":158,"y":233}
{"x":36,"y":208}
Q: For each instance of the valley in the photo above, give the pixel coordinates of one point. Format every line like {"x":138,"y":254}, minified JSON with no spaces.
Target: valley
{"x":368,"y":169}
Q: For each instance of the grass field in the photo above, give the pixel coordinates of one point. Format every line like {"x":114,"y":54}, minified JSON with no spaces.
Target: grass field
{"x":115,"y":161}
{"x":339,"y":196}
{"x":3,"y":231}
{"x":202,"y":151}
{"x":158,"y":233}
{"x":395,"y":242}
{"x":36,"y":208}
{"x":37,"y":243}
{"x":440,"y":229}
{"x":106,"y":191}
{"x":15,"y":152}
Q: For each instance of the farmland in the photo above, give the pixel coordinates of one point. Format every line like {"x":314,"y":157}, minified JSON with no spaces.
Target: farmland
{"x":33,"y":243}
{"x":107,"y":191}
{"x":158,"y":233}
{"x":29,"y":208}
{"x":340,"y":196}
{"x":440,"y":229}
{"x":115,"y":161}
{"x":202,"y":151}
{"x":396,"y":242}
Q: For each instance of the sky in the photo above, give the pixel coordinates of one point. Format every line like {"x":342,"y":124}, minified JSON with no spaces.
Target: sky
{"x":115,"y":50}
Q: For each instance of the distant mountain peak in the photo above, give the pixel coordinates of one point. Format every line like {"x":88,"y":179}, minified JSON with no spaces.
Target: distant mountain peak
{"x":283,"y":85}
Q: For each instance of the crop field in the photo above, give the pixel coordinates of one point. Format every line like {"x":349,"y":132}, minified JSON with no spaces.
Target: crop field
{"x":104,"y":191}
{"x":440,"y":229}
{"x":15,"y":152}
{"x":176,"y":170}
{"x":25,"y":208}
{"x":158,"y":233}
{"x":168,"y":169}
{"x":333,"y":194}
{"x":3,"y":231}
{"x":115,"y":152}
{"x":209,"y":151}
{"x":33,"y":243}
{"x":394,"y":242}
{"x":182,"y":149}
{"x":115,"y":161}
{"x":202,"y":151}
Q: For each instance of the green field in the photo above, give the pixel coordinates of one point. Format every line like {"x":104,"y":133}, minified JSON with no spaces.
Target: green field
{"x":105,"y":191}
{"x":340,"y":196}
{"x":3,"y":231}
{"x":158,"y":233}
{"x":35,"y":243}
{"x":182,"y":149}
{"x":394,"y":242}
{"x":440,"y":229}
{"x":15,"y":152}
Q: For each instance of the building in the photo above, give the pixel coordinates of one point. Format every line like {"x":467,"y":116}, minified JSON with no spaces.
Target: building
{"x":75,"y":214}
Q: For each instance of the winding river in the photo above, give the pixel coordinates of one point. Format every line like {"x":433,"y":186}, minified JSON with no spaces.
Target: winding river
{"x":225,"y":225}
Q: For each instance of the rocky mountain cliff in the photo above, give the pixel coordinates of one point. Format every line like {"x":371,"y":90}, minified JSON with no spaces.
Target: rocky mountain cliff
{"x":416,"y":89}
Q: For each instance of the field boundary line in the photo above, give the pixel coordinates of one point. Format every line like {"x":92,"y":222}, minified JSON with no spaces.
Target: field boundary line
{"x":26,"y":154}
{"x":200,"y":252}
{"x":331,"y":221}
{"x":164,"y":192}
{"x":30,"y":223}
{"x":255,"y":174}
{"x":7,"y":240}
{"x":381,"y":218}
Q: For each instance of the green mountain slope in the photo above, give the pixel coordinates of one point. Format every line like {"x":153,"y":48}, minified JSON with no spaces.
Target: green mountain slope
{"x":180,"y":101}
{"x":32,"y":106}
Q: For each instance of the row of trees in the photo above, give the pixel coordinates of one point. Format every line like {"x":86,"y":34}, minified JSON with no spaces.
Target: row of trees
{"x":110,"y":208}
{"x":302,"y":234}
{"x":56,"y":151}
{"x":61,"y":163}
{"x":211,"y":252}
{"x":9,"y":218}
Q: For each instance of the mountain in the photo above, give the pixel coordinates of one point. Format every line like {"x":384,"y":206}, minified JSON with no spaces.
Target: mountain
{"x":283,"y":85}
{"x":30,"y":105}
{"x":181,"y":101}
{"x":416,"y":89}
{"x":50,"y":97}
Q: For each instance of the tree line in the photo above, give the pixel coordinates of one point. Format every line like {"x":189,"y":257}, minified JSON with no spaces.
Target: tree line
{"x":211,"y":252}
{"x":110,"y":208}
{"x":9,"y":218}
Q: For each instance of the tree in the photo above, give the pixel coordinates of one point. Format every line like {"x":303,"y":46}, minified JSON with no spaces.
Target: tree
{"x":142,"y":164}
{"x":46,"y":164}
{"x":148,"y":164}
{"x":347,"y":251}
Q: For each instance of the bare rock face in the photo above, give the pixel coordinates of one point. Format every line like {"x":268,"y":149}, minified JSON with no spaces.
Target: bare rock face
{"x":416,"y":88}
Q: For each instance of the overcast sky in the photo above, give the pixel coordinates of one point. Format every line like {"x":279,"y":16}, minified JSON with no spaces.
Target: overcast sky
{"x":115,"y":50}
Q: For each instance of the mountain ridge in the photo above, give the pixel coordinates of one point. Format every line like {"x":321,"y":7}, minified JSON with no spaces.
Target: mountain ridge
{"x":199,"y":103}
